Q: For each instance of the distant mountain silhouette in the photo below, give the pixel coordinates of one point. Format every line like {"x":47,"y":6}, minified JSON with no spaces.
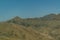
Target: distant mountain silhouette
{"x":34,"y":21}
{"x":51,"y":17}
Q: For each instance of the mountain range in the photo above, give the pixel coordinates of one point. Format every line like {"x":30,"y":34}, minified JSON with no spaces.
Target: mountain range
{"x":41,"y":28}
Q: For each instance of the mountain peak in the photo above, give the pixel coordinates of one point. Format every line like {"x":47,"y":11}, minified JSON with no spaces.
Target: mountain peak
{"x":17,"y":17}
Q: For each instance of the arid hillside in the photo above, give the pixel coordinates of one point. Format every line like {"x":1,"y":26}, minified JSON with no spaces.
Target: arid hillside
{"x":42,"y":28}
{"x":18,"y":32}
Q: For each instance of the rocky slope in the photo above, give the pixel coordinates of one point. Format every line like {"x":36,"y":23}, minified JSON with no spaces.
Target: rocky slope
{"x":43,"y":28}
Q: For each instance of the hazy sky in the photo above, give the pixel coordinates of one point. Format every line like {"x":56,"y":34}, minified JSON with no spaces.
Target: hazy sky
{"x":27,"y":8}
